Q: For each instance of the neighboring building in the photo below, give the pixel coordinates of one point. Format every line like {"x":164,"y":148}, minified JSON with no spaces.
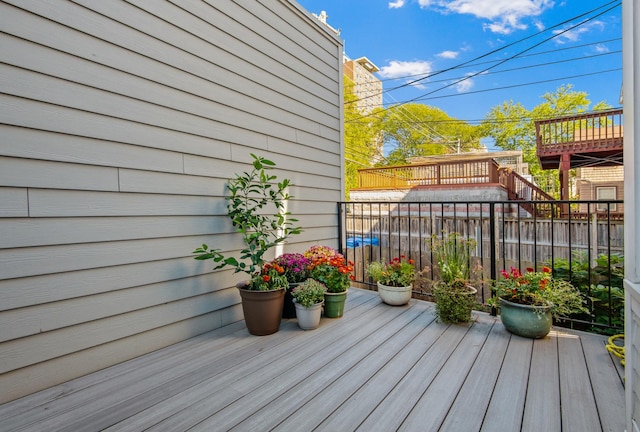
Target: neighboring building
{"x":121,"y":124}
{"x":594,"y":183}
{"x":367,"y":88}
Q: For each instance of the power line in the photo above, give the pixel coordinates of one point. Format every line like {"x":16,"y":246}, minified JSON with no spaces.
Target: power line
{"x":510,"y":58}
{"x":515,"y":85}
{"x":505,"y":120}
{"x":516,"y":57}
{"x":536,"y":65}
{"x":504,"y":47}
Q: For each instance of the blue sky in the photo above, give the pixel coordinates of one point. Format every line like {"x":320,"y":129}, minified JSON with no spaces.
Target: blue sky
{"x":411,"y":39}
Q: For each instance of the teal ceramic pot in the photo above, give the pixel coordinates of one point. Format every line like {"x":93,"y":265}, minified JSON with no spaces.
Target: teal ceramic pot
{"x":523,"y":320}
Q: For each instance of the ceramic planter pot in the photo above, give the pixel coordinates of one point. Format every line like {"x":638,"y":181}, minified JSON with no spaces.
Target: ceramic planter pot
{"x":308,"y":317}
{"x":262,"y":310}
{"x":395,"y":296}
{"x":334,"y":304}
{"x":523,"y":320}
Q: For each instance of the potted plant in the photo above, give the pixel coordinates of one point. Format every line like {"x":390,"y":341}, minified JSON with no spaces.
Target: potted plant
{"x":330,"y":267}
{"x":308,"y":298}
{"x":529,"y":301}
{"x":453,"y":293}
{"x":296,"y":271}
{"x":394,"y":279}
{"x":256,"y":207}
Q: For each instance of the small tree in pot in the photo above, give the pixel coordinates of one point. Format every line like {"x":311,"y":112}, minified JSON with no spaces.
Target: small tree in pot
{"x":256,"y":206}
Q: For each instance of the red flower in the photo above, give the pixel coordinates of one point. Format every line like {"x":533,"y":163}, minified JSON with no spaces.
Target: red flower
{"x":266,"y":278}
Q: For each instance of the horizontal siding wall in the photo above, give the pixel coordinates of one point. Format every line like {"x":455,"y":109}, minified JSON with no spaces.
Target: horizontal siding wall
{"x":120,"y":125}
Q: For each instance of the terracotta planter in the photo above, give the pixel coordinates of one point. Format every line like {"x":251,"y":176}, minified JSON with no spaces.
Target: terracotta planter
{"x":395,"y":296}
{"x":523,"y":320}
{"x":308,"y":317}
{"x":262,"y":310}
{"x":334,"y":304}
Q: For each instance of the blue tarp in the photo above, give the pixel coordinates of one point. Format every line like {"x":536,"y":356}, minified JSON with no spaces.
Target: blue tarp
{"x":362,"y":241}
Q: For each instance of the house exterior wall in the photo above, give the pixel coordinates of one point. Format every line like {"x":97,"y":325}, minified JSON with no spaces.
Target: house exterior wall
{"x":631,"y":66}
{"x":589,"y":179}
{"x":120,"y":123}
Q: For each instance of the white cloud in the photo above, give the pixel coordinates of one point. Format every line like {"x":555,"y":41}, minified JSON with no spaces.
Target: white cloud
{"x":574,"y":35}
{"x":505,"y":15}
{"x":448,"y":54}
{"x":397,"y":69}
{"x":601,"y":48}
{"x":396,"y":4}
{"x":539,"y":25}
{"x":466,"y":85}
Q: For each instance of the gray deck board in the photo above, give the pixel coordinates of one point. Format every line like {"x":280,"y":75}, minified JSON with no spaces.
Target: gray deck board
{"x":579,"y":411}
{"x":509,"y":394}
{"x":378,"y":368}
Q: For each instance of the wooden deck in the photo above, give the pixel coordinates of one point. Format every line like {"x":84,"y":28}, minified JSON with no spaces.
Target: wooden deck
{"x":379,"y":368}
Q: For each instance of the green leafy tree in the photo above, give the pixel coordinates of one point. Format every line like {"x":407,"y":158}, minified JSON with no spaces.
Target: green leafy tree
{"x":362,"y":137}
{"x":512,"y":126}
{"x":421,"y":130}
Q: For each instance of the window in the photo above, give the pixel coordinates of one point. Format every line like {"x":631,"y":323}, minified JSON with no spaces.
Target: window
{"x":606,"y":193}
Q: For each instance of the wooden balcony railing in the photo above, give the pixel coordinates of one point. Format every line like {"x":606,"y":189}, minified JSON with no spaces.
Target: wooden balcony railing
{"x":407,"y":176}
{"x":582,"y":133}
{"x":479,"y":171}
{"x":520,"y":189}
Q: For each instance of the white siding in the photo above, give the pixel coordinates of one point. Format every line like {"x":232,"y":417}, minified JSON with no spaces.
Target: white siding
{"x":120,"y":123}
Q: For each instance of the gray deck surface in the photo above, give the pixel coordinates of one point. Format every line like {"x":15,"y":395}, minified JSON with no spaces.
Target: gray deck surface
{"x":379,"y":368}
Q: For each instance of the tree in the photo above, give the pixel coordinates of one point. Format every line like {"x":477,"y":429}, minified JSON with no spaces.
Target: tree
{"x":422,"y":130}
{"x":512,"y":126}
{"x":362,"y":142}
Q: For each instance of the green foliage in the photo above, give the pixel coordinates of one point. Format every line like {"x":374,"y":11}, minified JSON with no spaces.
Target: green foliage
{"x":512,"y":126}
{"x":256,"y":207}
{"x":454,"y":302}
{"x":399,"y":272}
{"x":309,"y":292}
{"x":452,"y":253}
{"x":420,"y":130}
{"x":594,"y":282}
{"x":362,"y":137}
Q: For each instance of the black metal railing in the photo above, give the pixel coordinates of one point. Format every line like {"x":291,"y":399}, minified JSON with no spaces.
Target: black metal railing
{"x":584,"y":246}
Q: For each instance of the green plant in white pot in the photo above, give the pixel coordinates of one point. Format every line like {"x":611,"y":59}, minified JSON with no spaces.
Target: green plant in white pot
{"x":394,"y":279}
{"x":308,"y":298}
{"x":256,"y":207}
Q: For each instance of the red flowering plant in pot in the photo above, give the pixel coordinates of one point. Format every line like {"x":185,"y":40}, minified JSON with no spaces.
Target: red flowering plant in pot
{"x":331,"y":268}
{"x":529,"y":301}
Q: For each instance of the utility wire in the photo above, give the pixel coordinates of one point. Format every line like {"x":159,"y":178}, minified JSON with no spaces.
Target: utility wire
{"x":509,"y":58}
{"x":506,"y":46}
{"x":515,"y":58}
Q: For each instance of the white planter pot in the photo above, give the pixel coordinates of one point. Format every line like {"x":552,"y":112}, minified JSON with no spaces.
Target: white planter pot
{"x":308,"y":318}
{"x":395,"y":296}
